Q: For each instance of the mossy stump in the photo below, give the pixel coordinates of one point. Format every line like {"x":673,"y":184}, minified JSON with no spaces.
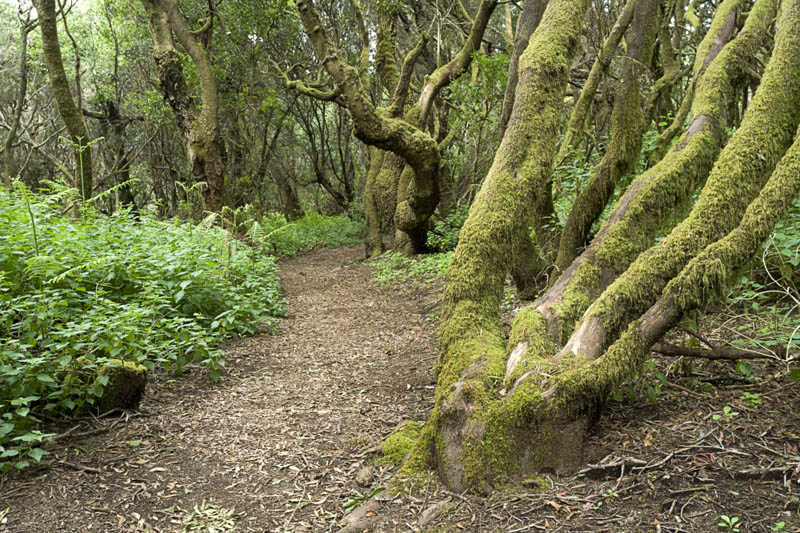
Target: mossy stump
{"x":125,"y":386}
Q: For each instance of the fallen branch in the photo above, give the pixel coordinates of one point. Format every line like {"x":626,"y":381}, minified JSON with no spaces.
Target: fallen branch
{"x":611,"y":465}
{"x":76,"y":466}
{"x":780,"y":473}
{"x":730,"y":354}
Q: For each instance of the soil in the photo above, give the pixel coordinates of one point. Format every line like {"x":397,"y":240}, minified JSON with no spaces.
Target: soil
{"x":288,"y":440}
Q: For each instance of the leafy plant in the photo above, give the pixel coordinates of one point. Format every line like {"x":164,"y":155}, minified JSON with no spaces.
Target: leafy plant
{"x":444,"y":235}
{"x":726,"y":415}
{"x":752,"y":397}
{"x":729,"y":523}
{"x":397,"y":267}
{"x":273,"y":233}
{"x":361,"y":497}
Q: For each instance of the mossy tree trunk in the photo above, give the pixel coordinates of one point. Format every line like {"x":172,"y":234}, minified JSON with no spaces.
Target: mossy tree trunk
{"x":69,"y":111}
{"x":508,"y":408}
{"x":199,"y":125}
{"x":399,"y":128}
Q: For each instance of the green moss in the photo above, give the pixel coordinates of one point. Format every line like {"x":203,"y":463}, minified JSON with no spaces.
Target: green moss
{"x":656,"y":194}
{"x":125,"y":386}
{"x":398,"y":444}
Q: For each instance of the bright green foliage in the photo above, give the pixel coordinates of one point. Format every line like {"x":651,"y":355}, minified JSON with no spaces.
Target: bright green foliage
{"x":398,"y":267}
{"x":287,"y":239}
{"x":444,"y":235}
{"x":80,"y":295}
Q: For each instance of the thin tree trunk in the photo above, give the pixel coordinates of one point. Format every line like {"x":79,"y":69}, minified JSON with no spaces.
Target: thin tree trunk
{"x":529,"y":20}
{"x":9,"y":172}
{"x":70,"y":113}
{"x":577,"y":121}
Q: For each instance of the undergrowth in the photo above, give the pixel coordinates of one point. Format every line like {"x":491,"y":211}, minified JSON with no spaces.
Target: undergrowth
{"x":78,"y":295}
{"x":273,"y":233}
{"x":397,"y":267}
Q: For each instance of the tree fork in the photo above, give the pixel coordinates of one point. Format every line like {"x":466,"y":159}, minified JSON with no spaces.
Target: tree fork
{"x":471,"y":338}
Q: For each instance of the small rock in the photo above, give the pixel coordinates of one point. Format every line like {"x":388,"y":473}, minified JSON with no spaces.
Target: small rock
{"x":431,"y":513}
{"x":364,"y":476}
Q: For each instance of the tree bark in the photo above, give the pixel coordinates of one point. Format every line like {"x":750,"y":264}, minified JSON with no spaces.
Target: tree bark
{"x":738,"y":175}
{"x":471,"y":338}
{"x":70,"y":113}
{"x":205,"y":148}
{"x":529,"y":20}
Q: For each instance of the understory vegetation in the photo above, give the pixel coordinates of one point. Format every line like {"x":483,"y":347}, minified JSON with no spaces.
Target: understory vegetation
{"x":82,"y":295}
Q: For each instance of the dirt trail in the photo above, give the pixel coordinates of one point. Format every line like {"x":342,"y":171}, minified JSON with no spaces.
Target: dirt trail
{"x":278,"y":442}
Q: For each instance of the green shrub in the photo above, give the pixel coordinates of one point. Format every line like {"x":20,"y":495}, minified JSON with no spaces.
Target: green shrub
{"x":398,"y":267}
{"x":79,"y":296}
{"x":444,"y":235}
{"x":273,"y":233}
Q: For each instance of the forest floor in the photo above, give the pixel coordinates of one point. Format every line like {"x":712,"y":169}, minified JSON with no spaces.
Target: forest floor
{"x":287,"y":441}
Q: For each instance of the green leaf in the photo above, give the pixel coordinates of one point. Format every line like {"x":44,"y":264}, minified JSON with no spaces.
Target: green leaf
{"x":744,"y":368}
{"x":44,"y":378}
{"x":37,"y":453}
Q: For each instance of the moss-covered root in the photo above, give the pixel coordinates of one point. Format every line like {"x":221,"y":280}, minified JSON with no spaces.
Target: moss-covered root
{"x":766,"y":133}
{"x":655,"y":194}
{"x":397,"y":445}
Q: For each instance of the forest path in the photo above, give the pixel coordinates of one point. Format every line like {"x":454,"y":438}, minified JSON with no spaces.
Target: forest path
{"x":278,"y":442}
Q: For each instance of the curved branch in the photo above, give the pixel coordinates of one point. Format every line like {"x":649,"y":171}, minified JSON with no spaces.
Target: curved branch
{"x":310,"y":89}
{"x":443,"y":75}
{"x":401,"y":90}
